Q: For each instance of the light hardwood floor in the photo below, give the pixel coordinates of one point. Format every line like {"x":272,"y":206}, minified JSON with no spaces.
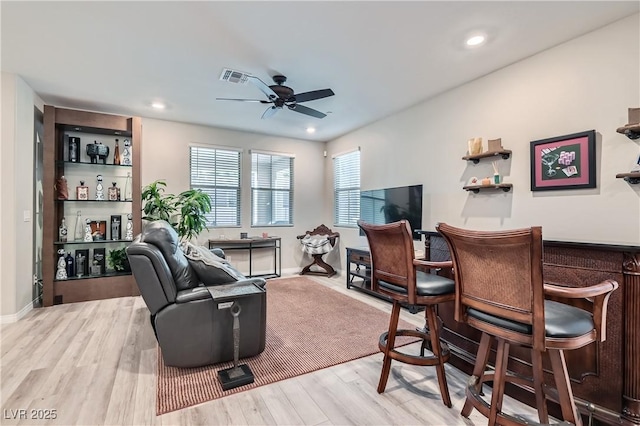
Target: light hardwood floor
{"x":95,"y":363}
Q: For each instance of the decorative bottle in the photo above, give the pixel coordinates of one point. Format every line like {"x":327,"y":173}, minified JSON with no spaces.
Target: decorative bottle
{"x":71,"y":265}
{"x":82,"y":191}
{"x":87,"y":231}
{"x":128,"y":188}
{"x":116,"y":154}
{"x":62,"y":231}
{"x":78,"y":234}
{"x":61,"y":272}
{"x":129,"y":235}
{"x":99,"y":189}
{"x":74,"y":149}
{"x":115,"y":228}
{"x":127,"y":153}
{"x":80,"y":262}
{"x":113,"y":192}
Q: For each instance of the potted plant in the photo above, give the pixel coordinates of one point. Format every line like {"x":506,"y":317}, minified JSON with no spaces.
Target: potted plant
{"x":118,"y":260}
{"x":193,"y":205}
{"x":185,"y":211}
{"x":157,"y":204}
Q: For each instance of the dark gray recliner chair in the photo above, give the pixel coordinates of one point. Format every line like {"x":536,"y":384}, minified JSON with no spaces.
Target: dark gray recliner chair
{"x":193,"y":325}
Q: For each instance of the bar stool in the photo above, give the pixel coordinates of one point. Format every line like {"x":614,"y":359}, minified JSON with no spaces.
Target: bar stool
{"x":395,"y":275}
{"x":500,"y":291}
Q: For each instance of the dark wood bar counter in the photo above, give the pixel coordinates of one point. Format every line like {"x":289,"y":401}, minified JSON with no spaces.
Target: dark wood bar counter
{"x":605,"y":376}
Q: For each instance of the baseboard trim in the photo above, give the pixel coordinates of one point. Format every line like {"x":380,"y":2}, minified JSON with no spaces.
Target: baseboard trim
{"x":8,"y":319}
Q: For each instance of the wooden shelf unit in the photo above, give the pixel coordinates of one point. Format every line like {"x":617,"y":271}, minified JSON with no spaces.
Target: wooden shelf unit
{"x":504,"y":153}
{"x":632,"y":177}
{"x":57,"y":123}
{"x":506,"y":187}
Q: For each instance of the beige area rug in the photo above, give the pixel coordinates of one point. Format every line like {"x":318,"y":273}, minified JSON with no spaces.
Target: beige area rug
{"x":309,"y":327}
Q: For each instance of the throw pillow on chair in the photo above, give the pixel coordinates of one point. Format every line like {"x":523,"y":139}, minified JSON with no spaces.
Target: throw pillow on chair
{"x":210,"y":269}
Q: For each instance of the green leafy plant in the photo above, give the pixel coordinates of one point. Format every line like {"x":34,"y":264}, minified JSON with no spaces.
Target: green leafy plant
{"x":157,"y":204}
{"x":193,"y":205}
{"x":118,"y":260}
{"x":185,"y":211}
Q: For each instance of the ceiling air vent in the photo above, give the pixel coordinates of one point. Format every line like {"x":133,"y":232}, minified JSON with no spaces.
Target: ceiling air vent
{"x":233,"y":76}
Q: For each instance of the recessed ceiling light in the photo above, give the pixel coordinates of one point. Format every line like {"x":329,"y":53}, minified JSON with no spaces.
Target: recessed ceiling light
{"x":476,"y":40}
{"x":157,"y":105}
{"x":311,"y":130}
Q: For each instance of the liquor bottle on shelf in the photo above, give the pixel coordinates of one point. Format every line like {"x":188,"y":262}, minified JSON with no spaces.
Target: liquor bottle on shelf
{"x":116,"y":154}
{"x":115,"y":227}
{"x":78,"y":233}
{"x":129,"y":235}
{"x":80,"y":262}
{"x":128,"y":188}
{"x":113,"y":192}
{"x":82,"y":192}
{"x":99,"y":189}
{"x":71,"y":265}
{"x":61,"y":272}
{"x":95,"y":268}
{"x":62,"y":231}
{"x":126,"y":154}
{"x":87,"y":231}
{"x":74,"y":149}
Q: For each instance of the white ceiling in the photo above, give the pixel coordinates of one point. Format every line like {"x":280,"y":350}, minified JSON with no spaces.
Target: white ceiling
{"x":378,"y":57}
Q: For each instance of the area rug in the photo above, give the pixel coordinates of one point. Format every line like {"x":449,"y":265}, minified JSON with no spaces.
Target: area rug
{"x":309,"y":327}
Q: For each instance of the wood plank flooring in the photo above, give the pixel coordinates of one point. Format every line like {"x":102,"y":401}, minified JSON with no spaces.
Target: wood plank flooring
{"x":94,"y":363}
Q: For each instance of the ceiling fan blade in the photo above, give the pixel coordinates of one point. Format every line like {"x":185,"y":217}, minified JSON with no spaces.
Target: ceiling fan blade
{"x":270,"y":111}
{"x":264,"y":88}
{"x":241,"y":100}
{"x":313,"y":95}
{"x":306,"y":110}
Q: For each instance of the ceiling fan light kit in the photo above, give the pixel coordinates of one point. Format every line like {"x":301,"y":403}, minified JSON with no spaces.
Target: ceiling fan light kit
{"x":277,"y":94}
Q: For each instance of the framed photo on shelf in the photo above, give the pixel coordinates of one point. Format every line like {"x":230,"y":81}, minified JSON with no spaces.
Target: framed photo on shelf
{"x":564,"y":162}
{"x":98,"y":230}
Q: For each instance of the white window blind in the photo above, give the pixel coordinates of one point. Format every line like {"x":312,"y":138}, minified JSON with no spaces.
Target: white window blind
{"x":271,"y":189}
{"x":346,"y":172}
{"x":217,"y":172}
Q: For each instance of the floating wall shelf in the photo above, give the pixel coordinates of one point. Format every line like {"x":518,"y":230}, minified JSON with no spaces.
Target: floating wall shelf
{"x":631,"y":130}
{"x":633,"y":177}
{"x":506,"y":187}
{"x":505,"y":153}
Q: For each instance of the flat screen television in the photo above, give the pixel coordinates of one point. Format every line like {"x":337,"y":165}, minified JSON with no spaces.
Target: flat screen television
{"x":380,"y":206}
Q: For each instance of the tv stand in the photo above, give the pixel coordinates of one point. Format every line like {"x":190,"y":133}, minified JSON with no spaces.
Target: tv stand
{"x":359,"y":275}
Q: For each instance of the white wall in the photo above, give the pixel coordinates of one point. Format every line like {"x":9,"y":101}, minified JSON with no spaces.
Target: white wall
{"x":165,"y":155}
{"x":587,"y":83}
{"x":16,"y":199}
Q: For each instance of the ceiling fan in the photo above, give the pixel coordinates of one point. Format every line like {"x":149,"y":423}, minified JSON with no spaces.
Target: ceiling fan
{"x":282,"y":96}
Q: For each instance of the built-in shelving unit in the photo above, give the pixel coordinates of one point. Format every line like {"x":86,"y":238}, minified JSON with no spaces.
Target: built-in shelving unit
{"x":61,"y":167}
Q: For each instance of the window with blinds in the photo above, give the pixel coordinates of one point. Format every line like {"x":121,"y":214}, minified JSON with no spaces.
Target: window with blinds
{"x":346,"y":172}
{"x":271,"y":189}
{"x":217,"y":172}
